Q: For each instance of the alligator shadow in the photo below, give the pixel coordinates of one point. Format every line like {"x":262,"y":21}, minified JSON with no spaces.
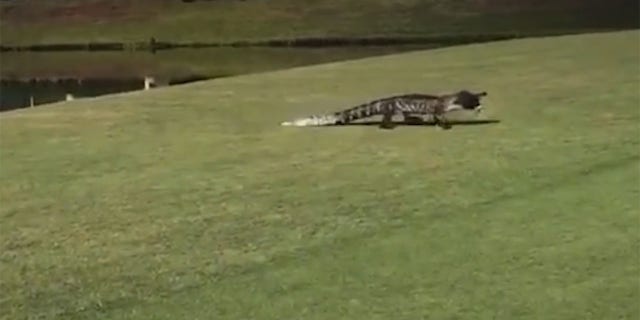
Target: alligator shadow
{"x":425,"y":123}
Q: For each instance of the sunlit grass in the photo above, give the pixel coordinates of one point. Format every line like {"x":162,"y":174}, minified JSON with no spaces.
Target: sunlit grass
{"x":192,"y":202}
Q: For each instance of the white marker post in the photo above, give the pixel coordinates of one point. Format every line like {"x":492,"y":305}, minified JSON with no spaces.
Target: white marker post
{"x":148,"y":81}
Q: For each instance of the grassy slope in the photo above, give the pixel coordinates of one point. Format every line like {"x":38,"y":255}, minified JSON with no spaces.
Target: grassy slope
{"x":37,"y":21}
{"x":191,"y":202}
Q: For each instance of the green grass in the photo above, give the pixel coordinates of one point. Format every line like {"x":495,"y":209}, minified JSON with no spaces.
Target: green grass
{"x":81,"y":21}
{"x":190,"y":202}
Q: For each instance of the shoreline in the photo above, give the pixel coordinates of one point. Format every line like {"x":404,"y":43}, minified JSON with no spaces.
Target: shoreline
{"x":303,"y":42}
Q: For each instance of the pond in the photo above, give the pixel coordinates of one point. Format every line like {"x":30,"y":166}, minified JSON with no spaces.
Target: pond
{"x":34,"y":78}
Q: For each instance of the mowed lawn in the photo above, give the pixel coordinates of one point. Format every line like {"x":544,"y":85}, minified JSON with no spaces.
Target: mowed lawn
{"x":191,"y":202}
{"x":28,"y":22}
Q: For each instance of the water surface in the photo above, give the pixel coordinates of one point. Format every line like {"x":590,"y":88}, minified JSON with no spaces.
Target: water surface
{"x":45,"y":77}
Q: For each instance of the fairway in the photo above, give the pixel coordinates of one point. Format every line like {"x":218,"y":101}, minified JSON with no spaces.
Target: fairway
{"x":191,"y":202}
{"x":28,"y":22}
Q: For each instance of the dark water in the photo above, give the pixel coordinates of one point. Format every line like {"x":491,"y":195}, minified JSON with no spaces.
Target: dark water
{"x":35,"y":78}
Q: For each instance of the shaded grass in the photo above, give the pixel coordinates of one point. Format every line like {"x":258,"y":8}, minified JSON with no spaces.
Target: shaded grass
{"x":191,"y":201}
{"x":42,"y":22}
